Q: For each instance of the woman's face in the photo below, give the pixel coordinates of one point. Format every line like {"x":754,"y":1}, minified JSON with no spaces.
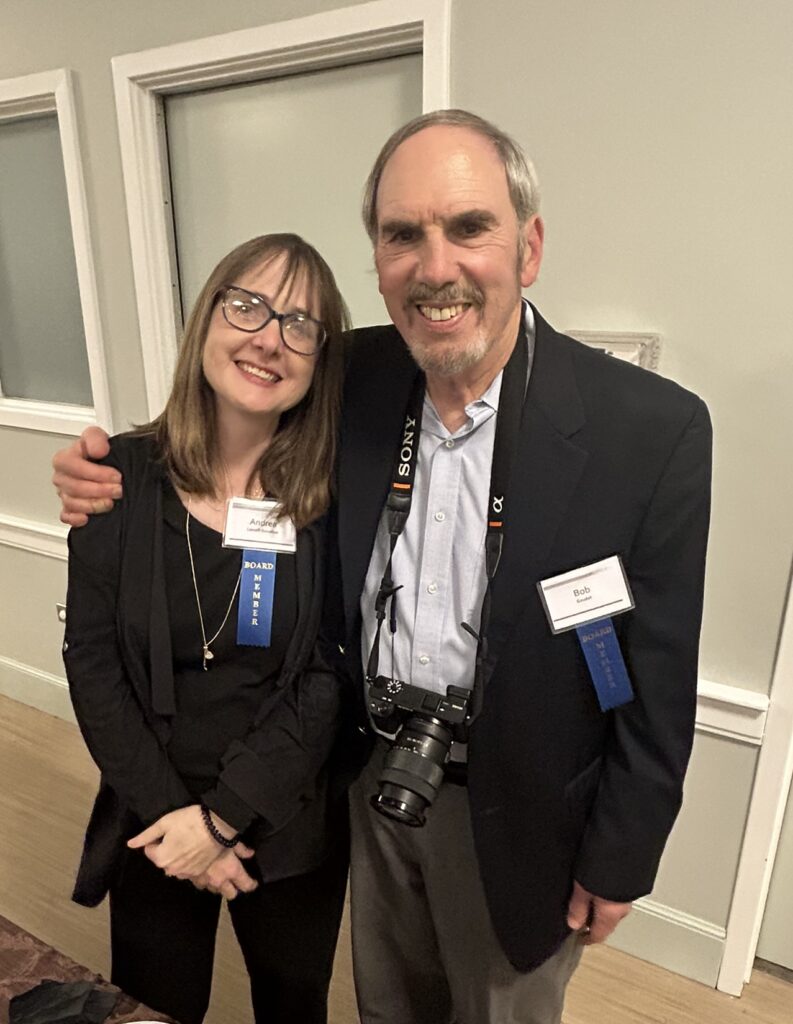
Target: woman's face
{"x":256,"y":374}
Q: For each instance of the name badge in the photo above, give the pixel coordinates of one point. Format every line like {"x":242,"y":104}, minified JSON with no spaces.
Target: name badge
{"x":256,"y":525}
{"x":585,"y":595}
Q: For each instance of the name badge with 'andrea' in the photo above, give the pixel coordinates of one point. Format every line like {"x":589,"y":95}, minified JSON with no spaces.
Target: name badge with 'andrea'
{"x":257,"y":526}
{"x":585,"y":595}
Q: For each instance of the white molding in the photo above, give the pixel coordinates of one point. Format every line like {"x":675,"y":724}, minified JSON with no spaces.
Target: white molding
{"x":678,"y":917}
{"x":731,"y":712}
{"x":764,"y":823}
{"x":36,"y":537}
{"x":384,"y":28}
{"x":50,"y":417}
{"x":33,"y":686}
{"x":83,"y":249}
{"x":672,"y":939}
{"x":35,"y":95}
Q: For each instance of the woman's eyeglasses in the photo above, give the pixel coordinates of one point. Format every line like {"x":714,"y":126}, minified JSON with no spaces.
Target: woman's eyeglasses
{"x":249,"y":312}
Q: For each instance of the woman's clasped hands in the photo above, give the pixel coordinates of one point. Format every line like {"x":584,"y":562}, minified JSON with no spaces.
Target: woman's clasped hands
{"x":180,"y":844}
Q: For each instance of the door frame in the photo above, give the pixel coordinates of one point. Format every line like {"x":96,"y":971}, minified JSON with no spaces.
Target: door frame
{"x":364,"y":32}
{"x":764,"y":822}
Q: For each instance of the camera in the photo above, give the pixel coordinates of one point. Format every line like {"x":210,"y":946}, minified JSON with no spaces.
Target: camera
{"x":425,"y":723}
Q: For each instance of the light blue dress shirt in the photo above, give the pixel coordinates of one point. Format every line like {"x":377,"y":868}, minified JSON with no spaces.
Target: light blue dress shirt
{"x":439,"y":560}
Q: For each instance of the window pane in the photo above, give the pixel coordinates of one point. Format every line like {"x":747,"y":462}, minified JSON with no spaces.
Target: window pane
{"x":42,"y":343}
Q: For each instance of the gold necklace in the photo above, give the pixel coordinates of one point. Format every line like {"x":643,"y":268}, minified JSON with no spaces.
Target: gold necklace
{"x":207,"y":653}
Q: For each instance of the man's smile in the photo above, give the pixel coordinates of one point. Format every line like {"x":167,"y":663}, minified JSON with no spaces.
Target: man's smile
{"x":436,"y":313}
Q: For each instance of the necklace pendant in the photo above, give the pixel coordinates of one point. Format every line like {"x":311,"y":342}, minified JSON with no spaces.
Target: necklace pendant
{"x":208,"y":656}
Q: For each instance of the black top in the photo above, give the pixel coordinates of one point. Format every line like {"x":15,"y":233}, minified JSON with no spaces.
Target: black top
{"x":219,"y":705}
{"x":277,"y":781}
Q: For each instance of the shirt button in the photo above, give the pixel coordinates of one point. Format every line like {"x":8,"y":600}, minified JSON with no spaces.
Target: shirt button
{"x":449,"y":443}
{"x":439,"y":517}
{"x":432,"y":588}
{"x":424,"y":659}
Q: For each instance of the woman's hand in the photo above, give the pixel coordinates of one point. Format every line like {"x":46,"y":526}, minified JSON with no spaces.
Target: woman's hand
{"x":226,"y":876}
{"x":180,"y":843}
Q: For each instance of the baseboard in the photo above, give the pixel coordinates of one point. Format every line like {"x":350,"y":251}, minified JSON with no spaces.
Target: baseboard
{"x":671,"y":939}
{"x":36,"y":688}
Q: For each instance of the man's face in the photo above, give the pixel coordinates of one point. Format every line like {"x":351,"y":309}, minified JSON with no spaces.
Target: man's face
{"x":447,"y":251}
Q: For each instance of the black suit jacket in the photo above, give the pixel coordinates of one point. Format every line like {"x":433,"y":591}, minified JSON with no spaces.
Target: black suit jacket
{"x":117,"y":652}
{"x":611,"y":460}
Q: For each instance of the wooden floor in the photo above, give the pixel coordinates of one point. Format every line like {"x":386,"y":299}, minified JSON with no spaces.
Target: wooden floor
{"x":47,"y":787}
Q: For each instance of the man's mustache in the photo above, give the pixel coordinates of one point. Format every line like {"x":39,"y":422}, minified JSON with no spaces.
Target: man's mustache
{"x":449,"y":295}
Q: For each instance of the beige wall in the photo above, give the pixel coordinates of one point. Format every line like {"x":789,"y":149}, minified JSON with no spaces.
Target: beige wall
{"x":662,"y":135}
{"x":661,"y":131}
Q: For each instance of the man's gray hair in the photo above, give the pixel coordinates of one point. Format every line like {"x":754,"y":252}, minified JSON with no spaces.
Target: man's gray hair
{"x":521,"y":177}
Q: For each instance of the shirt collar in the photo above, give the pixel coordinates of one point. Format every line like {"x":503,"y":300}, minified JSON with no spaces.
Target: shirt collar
{"x":481,"y":408}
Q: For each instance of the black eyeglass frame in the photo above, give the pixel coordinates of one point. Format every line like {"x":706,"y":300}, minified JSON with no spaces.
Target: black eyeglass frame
{"x":272,"y":315}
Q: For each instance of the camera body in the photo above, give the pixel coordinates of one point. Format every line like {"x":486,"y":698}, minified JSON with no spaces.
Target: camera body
{"x":425,"y":723}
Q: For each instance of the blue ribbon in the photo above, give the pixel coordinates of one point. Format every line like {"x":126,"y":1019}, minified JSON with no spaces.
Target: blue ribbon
{"x":605,"y":662}
{"x":257,"y":587}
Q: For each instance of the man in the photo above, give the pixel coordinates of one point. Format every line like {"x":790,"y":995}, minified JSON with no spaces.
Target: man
{"x":554,"y":816}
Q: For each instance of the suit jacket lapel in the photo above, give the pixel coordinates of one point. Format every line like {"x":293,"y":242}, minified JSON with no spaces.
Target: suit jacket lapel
{"x":548,"y":465}
{"x":547,"y":468}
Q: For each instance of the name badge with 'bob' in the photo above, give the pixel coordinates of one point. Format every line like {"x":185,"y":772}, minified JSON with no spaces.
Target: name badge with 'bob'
{"x":584,"y":600}
{"x":257,"y":526}
{"x":585,"y":595}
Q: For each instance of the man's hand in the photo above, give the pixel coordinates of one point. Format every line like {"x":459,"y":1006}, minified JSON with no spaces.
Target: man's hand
{"x":84,"y":487}
{"x":597,"y":916}
{"x":226,"y":876}
{"x":180,"y":843}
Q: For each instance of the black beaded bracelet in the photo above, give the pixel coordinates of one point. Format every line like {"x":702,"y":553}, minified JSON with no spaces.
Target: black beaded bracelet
{"x":216,"y":834}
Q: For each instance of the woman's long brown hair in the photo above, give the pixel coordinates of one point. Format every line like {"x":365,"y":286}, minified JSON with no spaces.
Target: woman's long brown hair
{"x":297,"y":465}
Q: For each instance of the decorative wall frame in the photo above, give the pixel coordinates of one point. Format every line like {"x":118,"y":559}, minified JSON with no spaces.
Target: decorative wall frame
{"x":35,"y":95}
{"x":639,"y":349}
{"x":365,"y":32}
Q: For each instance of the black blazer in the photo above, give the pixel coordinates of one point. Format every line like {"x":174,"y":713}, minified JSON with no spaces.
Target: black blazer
{"x":611,"y":460}
{"x":117,"y":654}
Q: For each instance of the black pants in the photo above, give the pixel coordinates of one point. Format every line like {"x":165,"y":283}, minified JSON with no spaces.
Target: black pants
{"x":163,"y":930}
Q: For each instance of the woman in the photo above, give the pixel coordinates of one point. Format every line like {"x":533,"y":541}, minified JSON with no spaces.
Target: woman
{"x":202,"y":698}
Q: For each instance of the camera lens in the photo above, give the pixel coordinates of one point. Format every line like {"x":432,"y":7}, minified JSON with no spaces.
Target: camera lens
{"x":412,"y":771}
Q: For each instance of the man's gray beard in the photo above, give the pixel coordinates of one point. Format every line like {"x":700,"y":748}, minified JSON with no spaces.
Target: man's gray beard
{"x":451,"y":362}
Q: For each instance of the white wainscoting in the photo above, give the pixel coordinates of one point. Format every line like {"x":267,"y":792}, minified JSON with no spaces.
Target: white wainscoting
{"x":655,"y":932}
{"x":668,"y":937}
{"x":662,"y":934}
{"x":38,"y":689}
{"x":29,"y":535}
{"x":27,"y":683}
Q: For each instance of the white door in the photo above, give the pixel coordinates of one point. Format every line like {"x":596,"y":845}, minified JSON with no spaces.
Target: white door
{"x":286,"y":154}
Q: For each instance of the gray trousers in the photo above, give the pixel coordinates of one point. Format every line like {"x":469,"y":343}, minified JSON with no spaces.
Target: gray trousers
{"x":424,"y":950}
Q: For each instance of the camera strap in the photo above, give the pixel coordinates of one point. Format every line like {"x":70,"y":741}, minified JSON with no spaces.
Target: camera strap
{"x":514,"y":383}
